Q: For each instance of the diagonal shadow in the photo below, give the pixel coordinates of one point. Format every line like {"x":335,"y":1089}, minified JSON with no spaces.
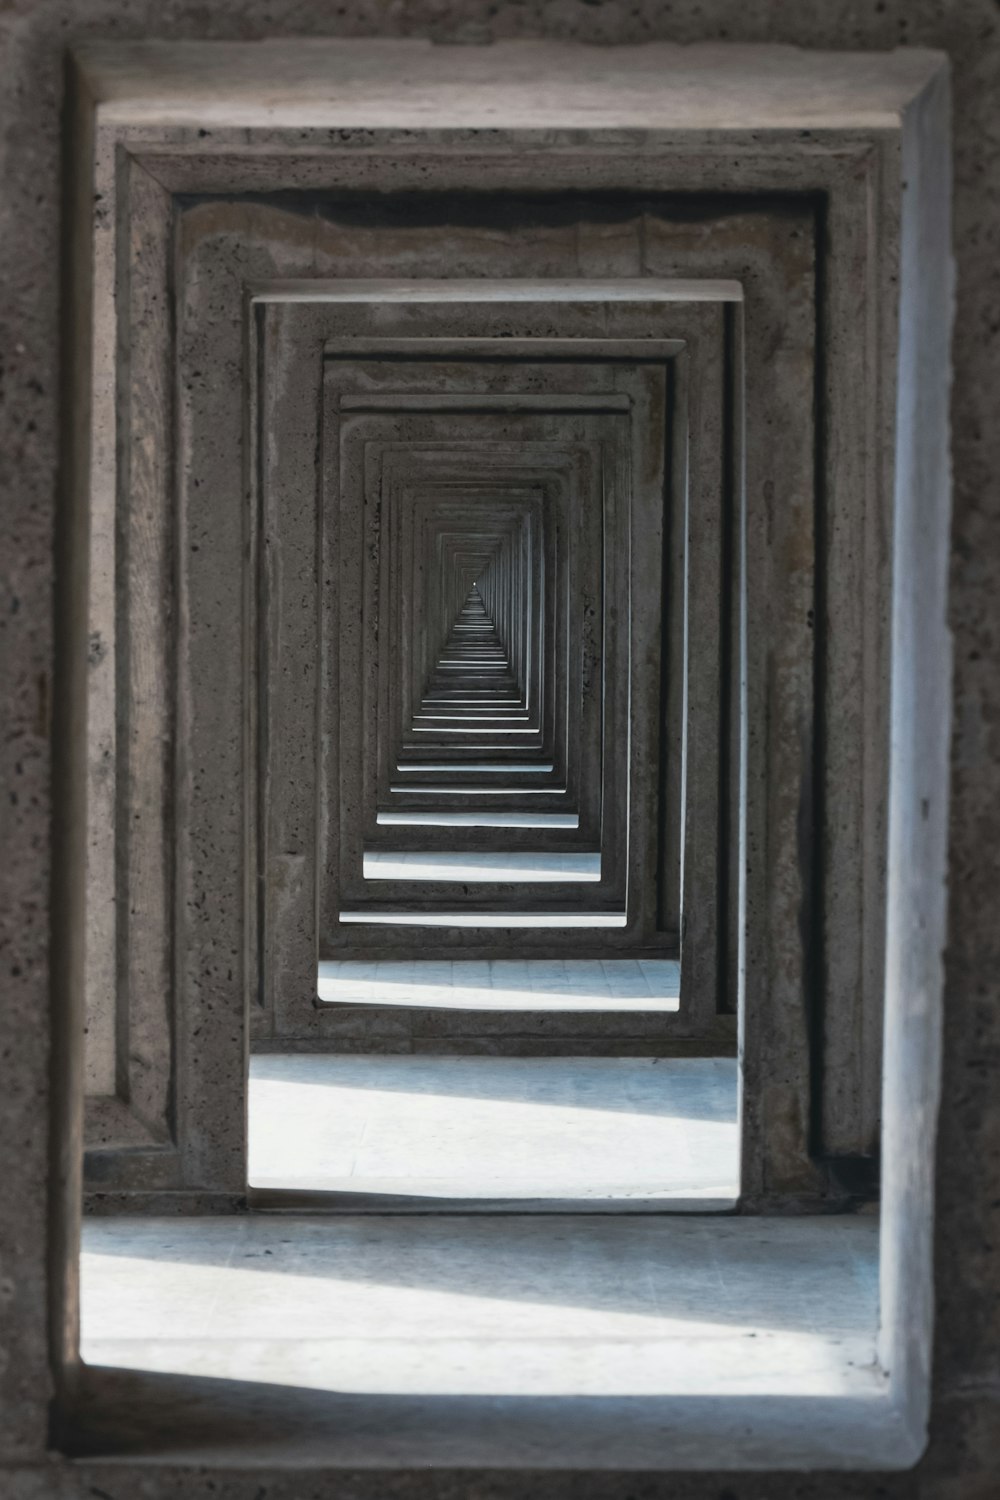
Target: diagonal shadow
{"x":682,"y":1088}
{"x":199,"y":1419}
{"x":618,"y":982}
{"x":804,"y":1274}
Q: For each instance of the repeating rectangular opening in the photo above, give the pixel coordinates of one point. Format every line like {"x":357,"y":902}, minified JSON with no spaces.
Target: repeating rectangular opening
{"x":877,"y":1427}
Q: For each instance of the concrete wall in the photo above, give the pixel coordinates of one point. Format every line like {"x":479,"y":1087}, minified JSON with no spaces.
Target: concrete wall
{"x":964,"y":1456}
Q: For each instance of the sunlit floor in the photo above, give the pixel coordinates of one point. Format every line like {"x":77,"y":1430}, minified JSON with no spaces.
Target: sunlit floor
{"x":594,"y":1336}
{"x":535,"y":984}
{"x":404,"y":1131}
{"x":449,"y":1321}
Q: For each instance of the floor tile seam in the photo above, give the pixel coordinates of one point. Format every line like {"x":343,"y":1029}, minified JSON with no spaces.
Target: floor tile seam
{"x":687,"y":1225}
{"x":589,"y":1340}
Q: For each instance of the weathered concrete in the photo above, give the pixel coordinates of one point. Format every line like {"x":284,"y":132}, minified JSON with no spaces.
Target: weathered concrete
{"x":963,"y":1457}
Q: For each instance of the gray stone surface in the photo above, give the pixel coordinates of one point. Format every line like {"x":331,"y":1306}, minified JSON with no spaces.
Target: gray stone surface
{"x":963,"y":1458}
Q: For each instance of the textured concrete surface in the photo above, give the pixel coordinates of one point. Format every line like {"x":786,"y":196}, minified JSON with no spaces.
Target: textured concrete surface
{"x":963,"y":1459}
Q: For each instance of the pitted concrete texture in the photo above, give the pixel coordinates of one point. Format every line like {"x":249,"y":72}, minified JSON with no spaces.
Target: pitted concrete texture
{"x":964,"y":1455}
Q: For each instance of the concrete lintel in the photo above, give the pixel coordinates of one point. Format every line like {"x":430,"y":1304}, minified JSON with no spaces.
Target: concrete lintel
{"x":402,"y":84}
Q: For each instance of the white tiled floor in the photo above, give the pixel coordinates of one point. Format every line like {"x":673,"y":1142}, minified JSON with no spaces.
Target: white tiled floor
{"x":621,"y":985}
{"x":512,"y":1305}
{"x":428,"y":1334}
{"x":603,"y":1132}
{"x":460,"y":867}
{"x":608,"y":1340}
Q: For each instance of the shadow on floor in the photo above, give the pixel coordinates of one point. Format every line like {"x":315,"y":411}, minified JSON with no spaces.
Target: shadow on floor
{"x":696,"y":1088}
{"x":808,"y":1274}
{"x":127,"y":1413}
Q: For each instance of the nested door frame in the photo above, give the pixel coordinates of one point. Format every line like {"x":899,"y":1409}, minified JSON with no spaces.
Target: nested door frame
{"x":852,"y":130}
{"x":187,"y":960}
